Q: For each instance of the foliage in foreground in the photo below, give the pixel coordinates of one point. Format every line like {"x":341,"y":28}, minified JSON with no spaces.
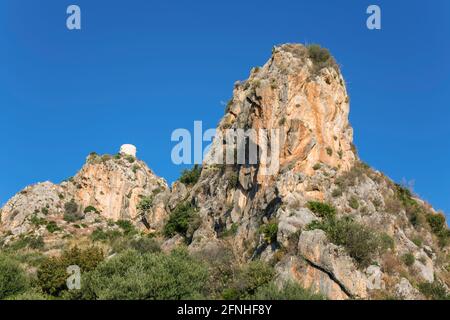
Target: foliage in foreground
{"x":132,"y":275}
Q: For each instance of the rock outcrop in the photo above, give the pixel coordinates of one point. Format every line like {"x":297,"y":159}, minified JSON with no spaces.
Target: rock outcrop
{"x":110,"y":187}
{"x":376,"y":240}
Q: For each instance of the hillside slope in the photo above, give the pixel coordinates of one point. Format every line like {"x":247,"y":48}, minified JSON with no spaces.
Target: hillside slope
{"x":324,"y":219}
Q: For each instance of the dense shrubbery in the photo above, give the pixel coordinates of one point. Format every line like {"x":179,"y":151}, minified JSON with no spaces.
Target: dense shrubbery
{"x":127,"y":227}
{"x":361,"y":243}
{"x":248,"y":280}
{"x":269,"y":231}
{"x":323,"y":210}
{"x":408,"y":259}
{"x":190,"y":177}
{"x":131,"y":275}
{"x":71,"y":213}
{"x":183,"y":220}
{"x":12,"y":278}
{"x":321,"y":57}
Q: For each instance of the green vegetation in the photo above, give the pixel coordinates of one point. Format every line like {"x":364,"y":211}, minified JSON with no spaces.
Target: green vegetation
{"x":336,"y":193}
{"x":353,"y":203}
{"x":420,"y":216}
{"x":183,"y":220}
{"x":248,"y":280}
{"x":290,"y":291}
{"x":12,"y":278}
{"x":230,"y":232}
{"x":317,"y":166}
{"x":323,"y":210}
{"x":149,"y":276}
{"x":130,"y":158}
{"x":321,"y":58}
{"x":408,"y":259}
{"x":52,"y":274}
{"x":145,"y":204}
{"x":100,"y":235}
{"x":127,"y":227}
{"x":269,"y":231}
{"x":190,"y":177}
{"x":434,"y":291}
{"x":90,"y":209}
{"x":52,"y":227}
{"x":360,"y":242}
{"x":71,"y":213}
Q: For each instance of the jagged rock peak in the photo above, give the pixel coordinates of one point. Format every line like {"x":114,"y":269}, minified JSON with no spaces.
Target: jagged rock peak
{"x":300,"y":91}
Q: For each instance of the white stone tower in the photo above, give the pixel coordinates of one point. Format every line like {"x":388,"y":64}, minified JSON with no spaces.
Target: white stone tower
{"x":128,"y":149}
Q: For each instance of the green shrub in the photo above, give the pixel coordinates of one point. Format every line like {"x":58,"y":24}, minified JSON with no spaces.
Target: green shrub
{"x":408,"y":259}
{"x":12,"y":278}
{"x":33,"y":294}
{"x":386,"y":241}
{"x":131,"y":275}
{"x":36,"y":221}
{"x":145,"y":204}
{"x":127,"y":227}
{"x":353,"y":203}
{"x":100,"y":235}
{"x":27,"y":242}
{"x":251,"y":277}
{"x":290,"y":291}
{"x":145,"y":245}
{"x":321,"y":57}
{"x":233,"y":180}
{"x":71,"y":207}
{"x":269,"y":231}
{"x":336,"y":193}
{"x":351,"y":178}
{"x":72,"y":217}
{"x":436,"y":222}
{"x":183,"y":220}
{"x":52,"y":273}
{"x":230,"y":232}
{"x":323,"y":210}
{"x":130,"y":158}
{"x":190,"y":177}
{"x":418,"y":241}
{"x":444,"y":237}
{"x":52,"y":227}
{"x":317,"y":166}
{"x":434,"y":291}
{"x":360,"y":242}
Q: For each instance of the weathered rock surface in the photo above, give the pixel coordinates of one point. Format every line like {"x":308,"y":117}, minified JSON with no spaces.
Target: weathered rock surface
{"x":307,"y":102}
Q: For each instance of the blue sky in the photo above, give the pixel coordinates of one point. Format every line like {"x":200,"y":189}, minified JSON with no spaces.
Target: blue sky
{"x":139,"y":69}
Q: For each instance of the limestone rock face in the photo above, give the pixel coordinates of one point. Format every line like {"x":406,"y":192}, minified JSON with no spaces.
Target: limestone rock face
{"x":116,"y":186}
{"x":307,"y":102}
{"x":328,"y":258}
{"x":41,"y":198}
{"x":308,"y":107}
{"x":253,"y":213}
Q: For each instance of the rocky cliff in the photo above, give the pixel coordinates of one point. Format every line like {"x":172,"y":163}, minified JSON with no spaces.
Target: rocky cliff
{"x":323,"y":219}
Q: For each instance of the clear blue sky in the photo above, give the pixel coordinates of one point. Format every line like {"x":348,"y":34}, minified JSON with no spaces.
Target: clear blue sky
{"x":139,"y":69}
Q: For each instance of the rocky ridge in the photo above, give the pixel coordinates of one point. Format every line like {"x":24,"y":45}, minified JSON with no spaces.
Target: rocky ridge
{"x":295,"y":219}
